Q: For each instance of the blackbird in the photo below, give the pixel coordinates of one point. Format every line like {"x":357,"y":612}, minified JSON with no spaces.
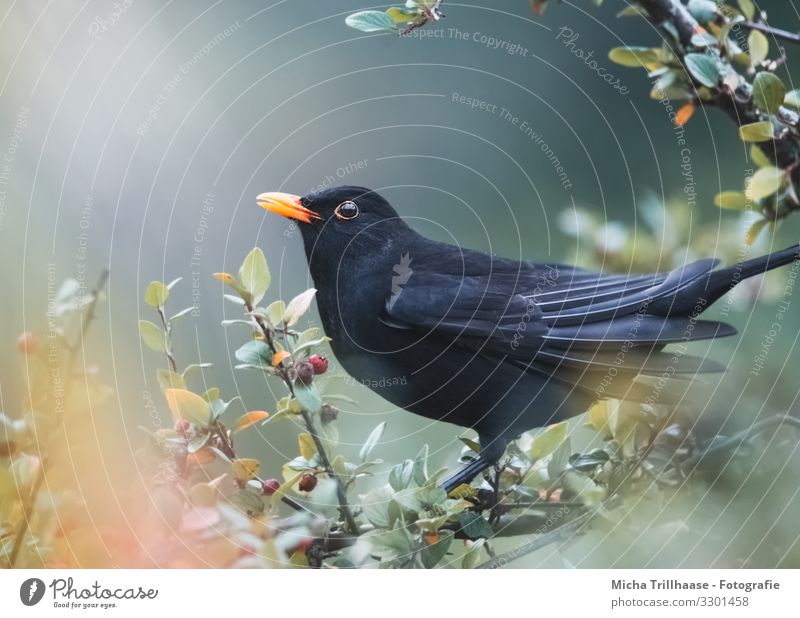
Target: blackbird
{"x":493,"y":344}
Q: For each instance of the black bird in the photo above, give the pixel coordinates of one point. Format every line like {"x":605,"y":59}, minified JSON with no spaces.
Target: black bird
{"x":495,"y":344}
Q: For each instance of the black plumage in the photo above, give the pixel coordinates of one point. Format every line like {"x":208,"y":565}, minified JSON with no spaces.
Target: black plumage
{"x":494,"y":344}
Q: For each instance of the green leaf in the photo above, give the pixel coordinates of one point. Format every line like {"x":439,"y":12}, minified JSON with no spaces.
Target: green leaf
{"x":372,"y":440}
{"x":153,"y":337}
{"x":752,"y":234}
{"x":375,"y":505}
{"x":748,"y":8}
{"x":211,"y":394}
{"x":768,"y":92}
{"x":390,"y":544}
{"x":762,"y":131}
{"x":400,"y":476}
{"x":474,"y":525}
{"x":370,"y":21}
{"x":401,"y":15}
{"x":156,"y":294}
{"x":758,"y":46}
{"x":195,"y":367}
{"x":255,"y":353}
{"x":433,"y":554}
{"x":733,"y":200}
{"x":702,"y":10}
{"x":182,"y":313}
{"x":170,"y":379}
{"x":420,"y":472}
{"x":704,"y":69}
{"x":548,"y":441}
{"x":308,"y":396}
{"x":765,"y":182}
{"x":473,"y":554}
{"x":758,"y":156}
{"x":635,"y":56}
{"x":254,"y":275}
{"x":189,"y":406}
{"x":298,"y":306}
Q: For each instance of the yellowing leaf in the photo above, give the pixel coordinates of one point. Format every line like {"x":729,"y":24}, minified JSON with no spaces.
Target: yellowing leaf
{"x":464,"y":491}
{"x":249,"y":419}
{"x":758,"y":156}
{"x":306,"y":445}
{"x":599,"y":418}
{"x":402,"y":15}
{"x":684,"y":114}
{"x":153,"y":337}
{"x":548,"y":441}
{"x":635,"y":56}
{"x":188,"y":405}
{"x":765,"y":182}
{"x":279,"y":357}
{"x":245,"y":469}
{"x":758,"y":45}
{"x":733,"y":200}
{"x":156,"y":294}
{"x":757,"y":131}
{"x":224,"y":277}
{"x":755,"y":229}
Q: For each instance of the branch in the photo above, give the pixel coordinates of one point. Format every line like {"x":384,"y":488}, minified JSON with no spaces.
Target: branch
{"x":341,"y":494}
{"x":792,"y":37}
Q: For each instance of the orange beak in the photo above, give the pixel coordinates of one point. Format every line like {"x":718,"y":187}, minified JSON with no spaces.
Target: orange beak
{"x":286,"y":205}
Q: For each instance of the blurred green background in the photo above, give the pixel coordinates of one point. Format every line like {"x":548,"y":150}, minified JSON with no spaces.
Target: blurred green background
{"x":136,"y":135}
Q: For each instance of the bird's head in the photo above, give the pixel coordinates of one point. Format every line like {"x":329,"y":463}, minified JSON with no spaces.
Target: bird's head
{"x":335,"y":220}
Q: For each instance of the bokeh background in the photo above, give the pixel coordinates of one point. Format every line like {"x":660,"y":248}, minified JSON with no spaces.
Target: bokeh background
{"x":136,"y":134}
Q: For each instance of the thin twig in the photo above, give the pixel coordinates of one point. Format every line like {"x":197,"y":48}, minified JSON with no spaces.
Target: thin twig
{"x":341,"y":493}
{"x":778,"y":33}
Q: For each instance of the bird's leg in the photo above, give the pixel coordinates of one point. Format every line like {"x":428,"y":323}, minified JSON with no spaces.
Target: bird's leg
{"x":491,"y":451}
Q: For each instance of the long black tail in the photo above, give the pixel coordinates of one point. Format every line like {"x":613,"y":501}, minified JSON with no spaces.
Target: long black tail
{"x":701,"y":292}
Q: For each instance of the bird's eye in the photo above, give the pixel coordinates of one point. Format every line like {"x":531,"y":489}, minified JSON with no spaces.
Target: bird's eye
{"x":346,"y":211}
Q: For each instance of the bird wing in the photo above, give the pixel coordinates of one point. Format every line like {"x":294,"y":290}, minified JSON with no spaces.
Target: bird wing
{"x":549,"y":318}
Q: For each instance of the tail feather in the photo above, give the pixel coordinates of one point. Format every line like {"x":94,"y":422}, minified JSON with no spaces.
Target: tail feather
{"x":701,"y":292}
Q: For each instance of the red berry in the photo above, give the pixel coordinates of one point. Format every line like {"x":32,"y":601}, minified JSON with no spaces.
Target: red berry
{"x":319,"y":363}
{"x":27,"y":343}
{"x":308,"y":482}
{"x":305,"y":372}
{"x":270,"y":486}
